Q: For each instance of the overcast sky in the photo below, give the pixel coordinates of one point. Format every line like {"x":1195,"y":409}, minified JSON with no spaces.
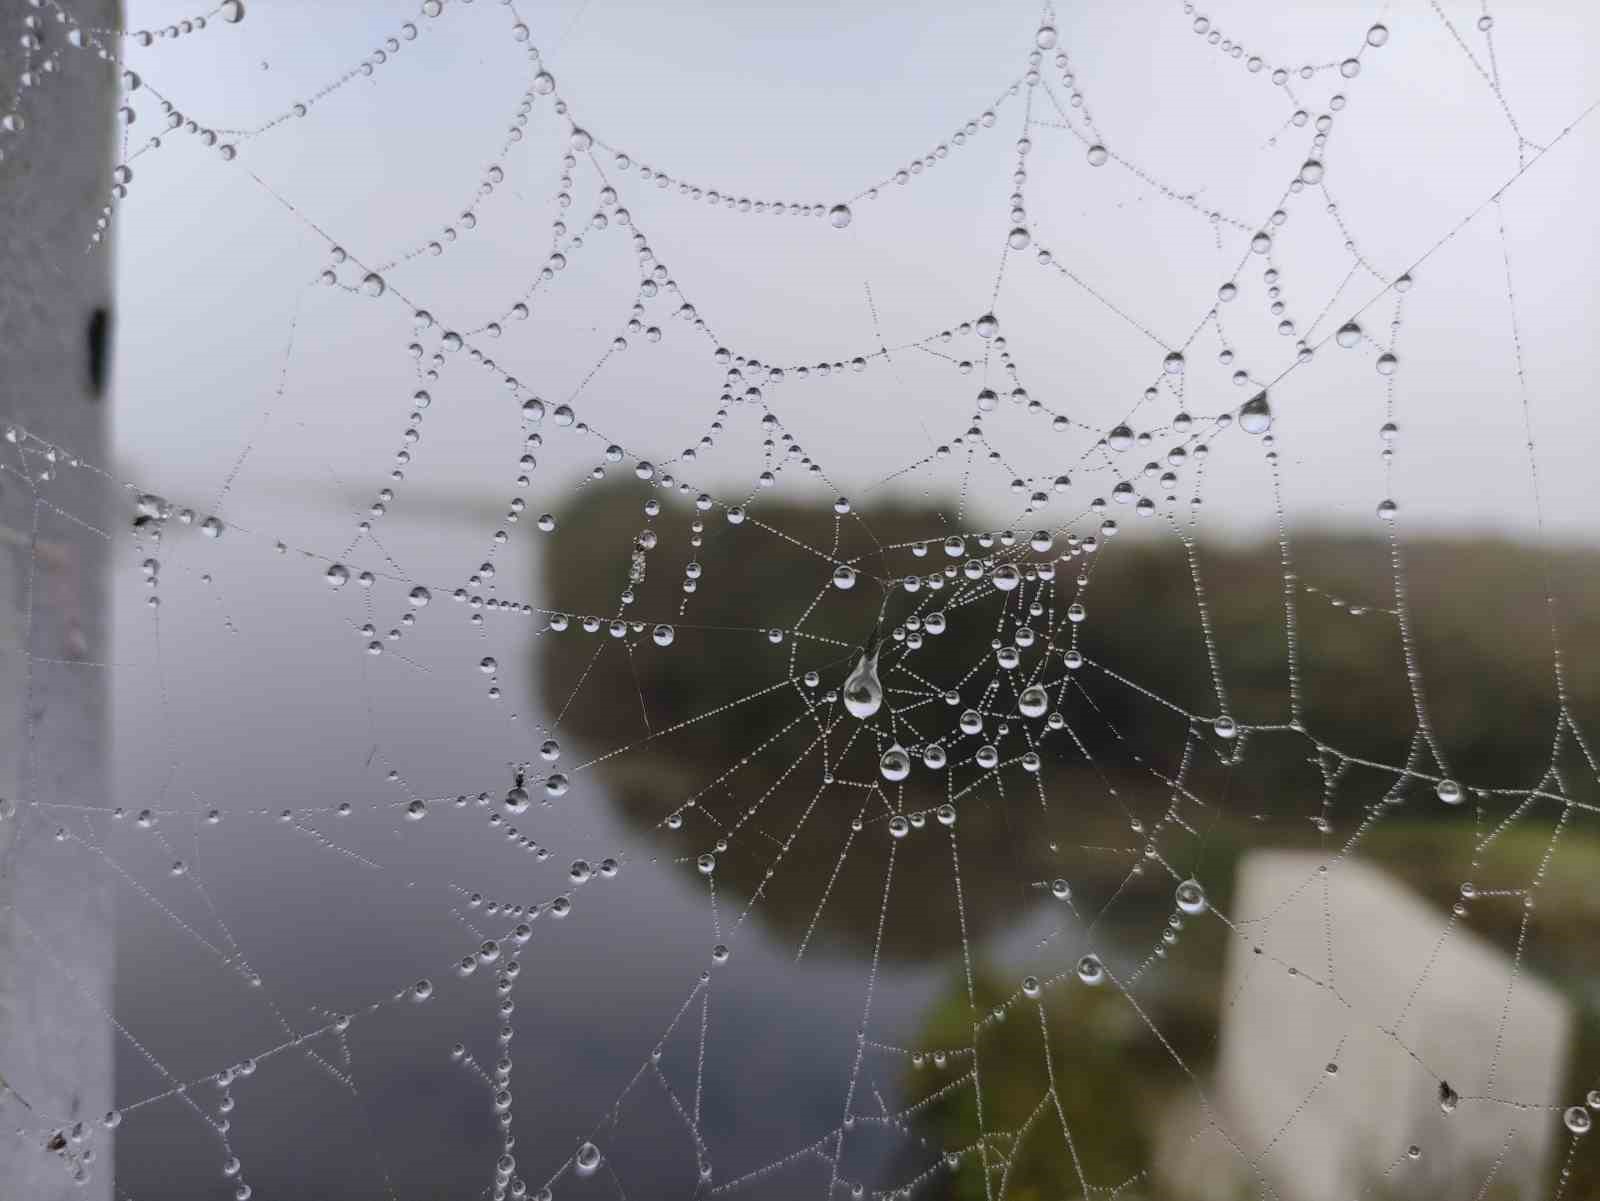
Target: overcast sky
{"x":813,"y":103}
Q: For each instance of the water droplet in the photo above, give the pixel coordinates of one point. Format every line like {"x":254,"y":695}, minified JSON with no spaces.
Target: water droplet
{"x":1060,"y":889}
{"x":1034,"y":701}
{"x":1005,"y":577}
{"x":1018,"y":238}
{"x":1173,"y":364}
{"x":1387,"y":363}
{"x":1449,"y":792}
{"x":587,"y":1161}
{"x":946,"y":813}
{"x":706,"y":864}
{"x":1377,"y":35}
{"x":421,"y":990}
{"x":1045,"y":39}
{"x":1350,"y":68}
{"x":839,"y":216}
{"x":934,"y":757}
{"x":895,"y":764}
{"x":1387,"y":510}
{"x":1091,"y":970}
{"x":211,"y":527}
{"x":419,"y":597}
{"x":1311,"y":171}
{"x":987,"y":326}
{"x":1191,"y":897}
{"x":337,"y":575}
{"x":1349,"y":335}
{"x":1577,"y":1119}
{"x":373,"y":284}
{"x":232,"y":11}
{"x":1448,"y":1097}
{"x":899,"y":827}
{"x":844,"y":578}
{"x":1225,"y":727}
{"x":663,"y":635}
{"x":1098,"y":155}
{"x":1261,"y":242}
{"x":863,"y":693}
{"x":1030,"y":986}
{"x":1255,"y":415}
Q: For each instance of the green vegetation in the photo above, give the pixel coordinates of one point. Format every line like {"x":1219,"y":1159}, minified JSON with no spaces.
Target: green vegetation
{"x":1111,"y":1080}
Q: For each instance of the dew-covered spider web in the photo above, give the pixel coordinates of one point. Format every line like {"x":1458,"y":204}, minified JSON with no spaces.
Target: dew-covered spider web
{"x":655,"y":646}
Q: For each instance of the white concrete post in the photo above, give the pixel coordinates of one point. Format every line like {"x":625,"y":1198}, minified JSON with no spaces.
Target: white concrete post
{"x":56,"y":925}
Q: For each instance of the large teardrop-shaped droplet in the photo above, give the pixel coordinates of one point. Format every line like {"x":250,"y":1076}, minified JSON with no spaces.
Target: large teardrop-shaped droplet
{"x":1255,"y":415}
{"x":863,"y":694}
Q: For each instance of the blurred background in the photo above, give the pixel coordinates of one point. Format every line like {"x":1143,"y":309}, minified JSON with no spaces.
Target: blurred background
{"x":348,"y":306}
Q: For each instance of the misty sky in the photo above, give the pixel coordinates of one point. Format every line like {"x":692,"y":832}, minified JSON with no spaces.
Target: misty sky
{"x":814,"y":103}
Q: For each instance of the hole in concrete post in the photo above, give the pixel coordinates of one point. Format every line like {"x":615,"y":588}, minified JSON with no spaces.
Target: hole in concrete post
{"x":99,"y":350}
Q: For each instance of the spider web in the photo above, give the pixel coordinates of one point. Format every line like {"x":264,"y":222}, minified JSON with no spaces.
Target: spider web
{"x":577,"y":737}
